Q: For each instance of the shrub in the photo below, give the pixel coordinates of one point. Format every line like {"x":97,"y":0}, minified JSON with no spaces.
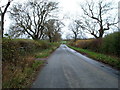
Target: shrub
{"x":92,"y":44}
{"x":43,"y":44}
{"x":19,"y":63}
{"x":13,"y":49}
{"x":111,"y":44}
{"x":83,"y":44}
{"x":10,"y":50}
{"x":95,"y":45}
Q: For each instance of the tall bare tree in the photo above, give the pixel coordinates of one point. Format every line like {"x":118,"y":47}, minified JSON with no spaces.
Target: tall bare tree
{"x":97,"y":18}
{"x":3,"y":14}
{"x":30,"y":17}
{"x":75,"y":27}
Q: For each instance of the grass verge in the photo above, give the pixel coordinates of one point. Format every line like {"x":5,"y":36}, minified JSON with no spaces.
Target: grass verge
{"x":23,"y":78}
{"x":21,"y":72}
{"x":112,"y":61}
{"x":43,"y":54}
{"x":20,"y":77}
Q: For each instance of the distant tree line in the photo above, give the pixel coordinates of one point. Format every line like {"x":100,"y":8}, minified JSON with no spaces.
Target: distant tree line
{"x":35,"y":19}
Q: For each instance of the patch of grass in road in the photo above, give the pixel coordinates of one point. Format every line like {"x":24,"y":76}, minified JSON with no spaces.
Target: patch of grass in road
{"x":112,"y":61}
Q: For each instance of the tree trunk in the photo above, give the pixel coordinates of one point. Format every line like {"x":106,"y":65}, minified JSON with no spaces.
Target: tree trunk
{"x":75,"y":38}
{"x":50,"y":39}
{"x":2,"y":23}
{"x":2,"y":17}
{"x":35,"y":37}
{"x":101,"y":32}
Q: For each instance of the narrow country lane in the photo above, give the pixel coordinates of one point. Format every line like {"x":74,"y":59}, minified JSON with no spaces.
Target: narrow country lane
{"x":67,"y":68}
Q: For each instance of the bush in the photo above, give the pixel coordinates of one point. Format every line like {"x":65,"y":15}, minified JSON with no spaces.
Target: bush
{"x":19,"y":63}
{"x":92,"y":44}
{"x":111,"y":44}
{"x":83,"y":44}
{"x":13,"y":49}
{"x":95,"y":45}
{"x":43,"y":44}
{"x":10,"y":50}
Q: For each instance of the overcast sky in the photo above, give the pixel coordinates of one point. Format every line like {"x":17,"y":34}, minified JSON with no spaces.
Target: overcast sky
{"x":69,"y":9}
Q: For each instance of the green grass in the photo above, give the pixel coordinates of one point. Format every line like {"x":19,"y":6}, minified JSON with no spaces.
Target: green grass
{"x":46,"y":52}
{"x":43,"y":54}
{"x":112,"y":61}
{"x":36,"y":64}
{"x":21,"y":78}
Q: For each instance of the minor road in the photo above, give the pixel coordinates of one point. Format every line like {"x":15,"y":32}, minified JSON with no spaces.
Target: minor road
{"x":67,"y":68}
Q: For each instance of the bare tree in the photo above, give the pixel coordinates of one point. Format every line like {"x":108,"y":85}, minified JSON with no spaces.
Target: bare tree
{"x":97,"y":18}
{"x":30,"y":17}
{"x":76,"y":29}
{"x":3,"y":14}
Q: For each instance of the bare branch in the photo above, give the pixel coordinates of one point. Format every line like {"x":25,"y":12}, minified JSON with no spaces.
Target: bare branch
{"x":31,"y":17}
{"x":94,"y":20}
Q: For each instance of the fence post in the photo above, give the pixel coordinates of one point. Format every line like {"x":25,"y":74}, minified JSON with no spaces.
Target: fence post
{"x":119,"y":16}
{"x":119,"y":31}
{"x":0,"y":50}
{"x":0,"y":25}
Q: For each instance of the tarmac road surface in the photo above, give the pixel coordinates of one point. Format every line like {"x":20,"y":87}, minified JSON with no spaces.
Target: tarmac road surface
{"x":67,"y":68}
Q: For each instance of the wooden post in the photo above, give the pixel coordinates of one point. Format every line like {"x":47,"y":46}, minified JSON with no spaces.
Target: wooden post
{"x":119,"y":31}
{"x":0,"y":25}
{"x":0,"y":51}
